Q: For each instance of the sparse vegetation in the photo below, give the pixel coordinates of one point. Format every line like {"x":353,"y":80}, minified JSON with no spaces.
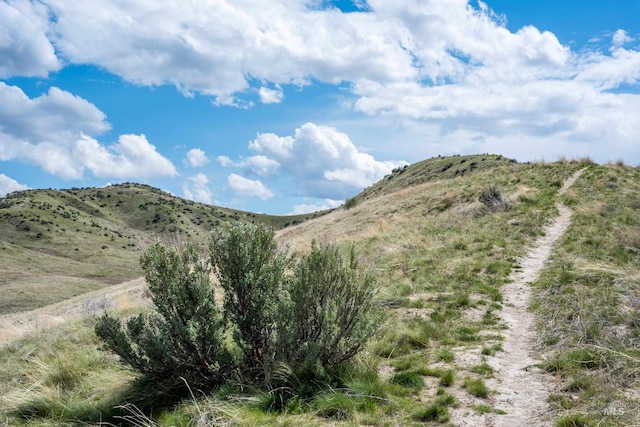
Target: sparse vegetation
{"x":447,"y":378}
{"x":587,"y":299}
{"x":55,"y":237}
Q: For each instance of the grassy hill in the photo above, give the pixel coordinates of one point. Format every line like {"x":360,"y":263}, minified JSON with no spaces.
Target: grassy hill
{"x":55,"y":244}
{"x":442,"y":256}
{"x":433,"y":169}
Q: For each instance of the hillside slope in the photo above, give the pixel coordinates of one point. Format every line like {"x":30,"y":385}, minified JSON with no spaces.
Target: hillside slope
{"x":443,"y":259}
{"x":445,"y":251}
{"x":434,"y":169}
{"x":55,"y":244}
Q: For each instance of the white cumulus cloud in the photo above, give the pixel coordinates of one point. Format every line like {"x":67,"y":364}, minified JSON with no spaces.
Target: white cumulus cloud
{"x":25,"y":49}
{"x":258,"y":165}
{"x":446,"y":69}
{"x":248,"y":187}
{"x":56,"y":132}
{"x":196,"y":188}
{"x":621,"y":37}
{"x":215,"y":47}
{"x":271,"y":96}
{"x":304,"y":208}
{"x":196,"y":158}
{"x":323,"y":161}
{"x":131,"y":157}
{"x":8,"y":185}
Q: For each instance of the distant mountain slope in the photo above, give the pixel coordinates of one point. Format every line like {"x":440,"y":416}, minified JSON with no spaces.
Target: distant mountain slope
{"x":58,"y":243}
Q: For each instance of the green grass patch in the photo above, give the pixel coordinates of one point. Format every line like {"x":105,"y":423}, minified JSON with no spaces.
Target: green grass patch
{"x":411,"y":380}
{"x":445,"y":355}
{"x":447,"y":378}
{"x":486,"y":409}
{"x":476,"y":387}
{"x":483,"y":369}
{"x":491,"y":350}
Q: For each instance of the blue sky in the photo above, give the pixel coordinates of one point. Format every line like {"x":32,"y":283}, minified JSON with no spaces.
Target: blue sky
{"x":283,"y":106}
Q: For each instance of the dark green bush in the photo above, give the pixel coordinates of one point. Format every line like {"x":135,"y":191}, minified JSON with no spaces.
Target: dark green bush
{"x":184,"y":335}
{"x":251,"y":271}
{"x":291,"y":325}
{"x":328,"y":313}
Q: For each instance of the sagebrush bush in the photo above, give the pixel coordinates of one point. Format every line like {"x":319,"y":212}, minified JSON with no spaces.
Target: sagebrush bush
{"x":251,"y":271}
{"x":328,"y":312}
{"x":184,"y":335}
{"x":493,"y":199}
{"x":299,"y":323}
{"x":350,"y":203}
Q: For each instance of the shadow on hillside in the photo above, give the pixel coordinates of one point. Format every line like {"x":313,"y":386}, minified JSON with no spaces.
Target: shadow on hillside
{"x":145,"y":397}
{"x":134,"y":406}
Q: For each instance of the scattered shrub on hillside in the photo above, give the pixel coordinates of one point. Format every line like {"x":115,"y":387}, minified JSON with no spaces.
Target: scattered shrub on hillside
{"x":586,"y":160}
{"x":493,"y":199}
{"x":350,"y":203}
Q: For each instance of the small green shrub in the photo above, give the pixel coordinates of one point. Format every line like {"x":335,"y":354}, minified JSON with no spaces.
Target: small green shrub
{"x":350,"y":203}
{"x":483,"y":369}
{"x":335,"y":405}
{"x":491,"y":350}
{"x":409,"y":379}
{"x":445,"y":399}
{"x":573,"y":420}
{"x":447,"y":378}
{"x":445,"y":355}
{"x":433,"y":412}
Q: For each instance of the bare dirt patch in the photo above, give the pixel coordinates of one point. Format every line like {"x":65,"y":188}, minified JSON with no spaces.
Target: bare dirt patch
{"x":119,"y":297}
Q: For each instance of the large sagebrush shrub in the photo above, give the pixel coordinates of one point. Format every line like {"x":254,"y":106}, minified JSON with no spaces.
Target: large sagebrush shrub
{"x":308,"y":318}
{"x":251,"y":271}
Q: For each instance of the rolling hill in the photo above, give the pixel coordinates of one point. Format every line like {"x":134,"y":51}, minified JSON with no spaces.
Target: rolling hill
{"x":446,"y":239}
{"x":55,"y":244}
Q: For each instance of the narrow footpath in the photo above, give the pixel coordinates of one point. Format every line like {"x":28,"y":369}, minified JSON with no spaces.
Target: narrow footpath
{"x":522,"y":390}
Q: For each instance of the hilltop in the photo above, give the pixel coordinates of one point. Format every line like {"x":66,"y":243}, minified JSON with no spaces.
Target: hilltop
{"x":434,"y":169}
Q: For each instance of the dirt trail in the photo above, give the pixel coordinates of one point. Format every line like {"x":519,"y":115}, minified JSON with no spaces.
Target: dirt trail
{"x":123,"y":296}
{"x":522,"y":389}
